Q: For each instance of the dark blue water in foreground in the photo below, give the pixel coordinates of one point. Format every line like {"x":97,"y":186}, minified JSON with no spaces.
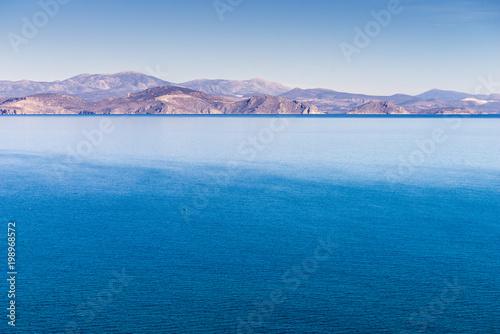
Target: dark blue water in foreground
{"x":190,"y":226}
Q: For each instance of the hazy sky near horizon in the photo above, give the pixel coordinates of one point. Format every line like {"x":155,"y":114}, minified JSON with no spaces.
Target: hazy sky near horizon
{"x":441,"y":44}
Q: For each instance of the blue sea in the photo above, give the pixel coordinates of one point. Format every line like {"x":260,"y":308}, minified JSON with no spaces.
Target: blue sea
{"x":146,"y":224}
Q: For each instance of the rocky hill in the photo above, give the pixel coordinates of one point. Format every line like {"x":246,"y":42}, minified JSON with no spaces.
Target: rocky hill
{"x":266,"y":104}
{"x":162,"y":100}
{"x":379,"y":107}
{"x":44,"y":104}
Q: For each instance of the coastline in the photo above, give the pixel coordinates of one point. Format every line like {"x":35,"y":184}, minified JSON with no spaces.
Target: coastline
{"x":268,"y":115}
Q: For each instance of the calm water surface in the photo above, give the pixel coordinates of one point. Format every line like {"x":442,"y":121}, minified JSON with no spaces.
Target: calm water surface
{"x":253,"y":225}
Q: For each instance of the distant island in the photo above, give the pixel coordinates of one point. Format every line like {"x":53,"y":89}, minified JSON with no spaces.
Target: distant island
{"x":138,"y":93}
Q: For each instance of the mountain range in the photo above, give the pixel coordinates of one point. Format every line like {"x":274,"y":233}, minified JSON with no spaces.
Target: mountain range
{"x":138,"y":93}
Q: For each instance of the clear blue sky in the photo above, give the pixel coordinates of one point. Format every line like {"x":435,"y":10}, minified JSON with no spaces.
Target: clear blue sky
{"x":430,"y":44}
